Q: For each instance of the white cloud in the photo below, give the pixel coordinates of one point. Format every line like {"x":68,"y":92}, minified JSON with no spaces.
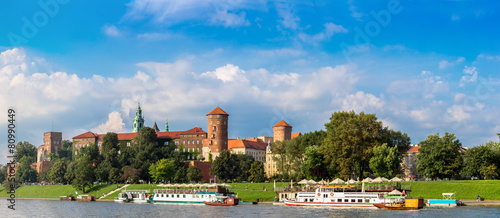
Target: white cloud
{"x":113,"y":124}
{"x":354,"y":11}
{"x":110,"y":30}
{"x":427,"y":85}
{"x":157,"y":36}
{"x":470,"y":75}
{"x":362,"y":102}
{"x":330,"y":30}
{"x":228,"y":73}
{"x":445,"y":64}
{"x":288,"y":19}
{"x":226,"y":19}
{"x":168,"y":12}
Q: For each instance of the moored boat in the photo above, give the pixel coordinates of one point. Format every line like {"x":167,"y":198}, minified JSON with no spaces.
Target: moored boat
{"x":404,"y":204}
{"x":222,"y":201}
{"x":85,"y":198}
{"x":191,"y":194}
{"x":67,"y":198}
{"x":336,"y":197}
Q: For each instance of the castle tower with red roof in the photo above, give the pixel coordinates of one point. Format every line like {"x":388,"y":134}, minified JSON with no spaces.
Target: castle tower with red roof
{"x":282,"y":131}
{"x":217,"y":122}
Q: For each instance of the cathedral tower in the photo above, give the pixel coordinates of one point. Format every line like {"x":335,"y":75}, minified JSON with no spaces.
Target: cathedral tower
{"x":138,"y":119}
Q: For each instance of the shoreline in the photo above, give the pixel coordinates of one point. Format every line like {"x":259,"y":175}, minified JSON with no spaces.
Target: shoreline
{"x":466,"y":202}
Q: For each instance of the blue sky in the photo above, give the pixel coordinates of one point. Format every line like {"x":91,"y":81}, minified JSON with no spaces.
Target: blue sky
{"x":422,"y":66}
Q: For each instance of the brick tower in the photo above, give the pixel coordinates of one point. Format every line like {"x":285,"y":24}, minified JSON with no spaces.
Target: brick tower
{"x":52,"y":141}
{"x":282,"y":131}
{"x":217,"y":121}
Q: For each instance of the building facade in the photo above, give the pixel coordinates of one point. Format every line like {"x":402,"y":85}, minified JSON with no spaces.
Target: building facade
{"x":217,"y":133}
{"x":52,"y":142}
{"x":254,"y":148}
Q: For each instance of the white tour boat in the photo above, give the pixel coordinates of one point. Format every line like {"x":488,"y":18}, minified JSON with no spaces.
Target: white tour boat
{"x":330,"y":196}
{"x":197,"y":195}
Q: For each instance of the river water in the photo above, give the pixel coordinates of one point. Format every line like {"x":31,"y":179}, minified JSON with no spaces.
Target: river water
{"x":44,"y":208}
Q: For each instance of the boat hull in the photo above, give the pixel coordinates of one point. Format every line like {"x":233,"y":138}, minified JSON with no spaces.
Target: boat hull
{"x":389,"y":207}
{"x":328,"y":204}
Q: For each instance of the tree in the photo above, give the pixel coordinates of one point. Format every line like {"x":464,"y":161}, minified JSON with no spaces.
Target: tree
{"x":25,"y":149}
{"x":385,"y":160}
{"x":476,"y":158}
{"x":130,"y":174}
{"x":163,"y":170}
{"x":145,"y":151}
{"x":350,"y":140}
{"x":489,"y":172}
{"x":194,"y":174}
{"x":109,"y":168}
{"x":257,"y":173}
{"x":83,"y":173}
{"x":3,"y":172}
{"x":244,"y":162}
{"x":439,"y":157}
{"x":396,"y":139}
{"x":313,"y":158}
{"x":225,"y":166}
{"x":65,"y":154}
{"x":57,"y":171}
{"x":24,"y":171}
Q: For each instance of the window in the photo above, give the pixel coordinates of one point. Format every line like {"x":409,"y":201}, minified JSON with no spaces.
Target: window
{"x":166,"y":143}
{"x":128,"y":144}
{"x":162,"y":195}
{"x":184,"y":196}
{"x":218,"y":116}
{"x":210,"y":122}
{"x":183,"y":142}
{"x":346,"y":200}
{"x":367,"y":200}
{"x":197,"y":142}
{"x":360,"y":200}
{"x":218,"y":122}
{"x":176,"y":142}
{"x":189,"y":142}
{"x":339,"y":200}
{"x":193,"y":142}
{"x":353,"y":200}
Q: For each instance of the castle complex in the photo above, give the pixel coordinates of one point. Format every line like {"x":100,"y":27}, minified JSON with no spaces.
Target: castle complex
{"x":200,"y":144}
{"x":52,"y":142}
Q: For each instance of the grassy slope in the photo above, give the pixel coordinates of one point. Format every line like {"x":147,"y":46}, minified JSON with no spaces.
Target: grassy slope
{"x":54,"y":191}
{"x":464,"y":189}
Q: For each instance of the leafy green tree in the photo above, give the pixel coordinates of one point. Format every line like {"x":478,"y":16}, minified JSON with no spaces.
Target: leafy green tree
{"x":180,"y":174}
{"x":396,"y":139}
{"x":130,"y":174}
{"x":84,"y":173}
{"x":257,"y":173}
{"x":194,"y":174}
{"x":25,"y":149}
{"x":3,"y":172}
{"x":225,"y":166}
{"x":440,"y":157}
{"x":489,"y":172}
{"x":57,"y":171}
{"x":24,"y":171}
{"x":385,"y":160}
{"x":145,"y":151}
{"x":282,"y":158}
{"x":70,"y":171}
{"x":163,"y":170}
{"x":65,"y":154}
{"x":349,"y":143}
{"x":109,"y":168}
{"x":476,"y":158}
{"x":245,"y":162}
{"x":313,"y":158}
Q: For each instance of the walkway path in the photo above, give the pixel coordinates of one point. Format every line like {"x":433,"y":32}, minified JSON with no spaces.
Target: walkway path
{"x":118,"y":189}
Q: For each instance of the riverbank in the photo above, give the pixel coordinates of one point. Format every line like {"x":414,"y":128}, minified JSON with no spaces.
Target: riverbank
{"x":465,"y":190}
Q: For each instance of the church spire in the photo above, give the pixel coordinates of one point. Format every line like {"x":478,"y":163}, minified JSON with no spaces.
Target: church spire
{"x":166,"y":125}
{"x":138,"y":119}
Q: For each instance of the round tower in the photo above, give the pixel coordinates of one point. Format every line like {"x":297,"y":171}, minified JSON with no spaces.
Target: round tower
{"x":282,"y":131}
{"x":217,"y":122}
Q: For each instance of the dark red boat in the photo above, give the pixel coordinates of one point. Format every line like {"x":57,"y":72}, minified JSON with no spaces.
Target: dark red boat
{"x":85,"y":198}
{"x":223,"y":201}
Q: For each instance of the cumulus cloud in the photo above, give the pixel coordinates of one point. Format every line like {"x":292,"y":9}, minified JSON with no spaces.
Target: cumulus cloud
{"x":110,"y":30}
{"x":113,"y":124}
{"x":470,"y":75}
{"x":362,"y":102}
{"x":228,"y":73}
{"x":287,"y":17}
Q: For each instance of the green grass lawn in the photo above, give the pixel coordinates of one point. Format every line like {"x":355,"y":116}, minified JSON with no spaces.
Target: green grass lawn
{"x":54,"y":191}
{"x":464,"y":189}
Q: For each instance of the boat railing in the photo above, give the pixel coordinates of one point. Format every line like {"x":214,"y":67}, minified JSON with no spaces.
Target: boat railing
{"x":180,"y":191}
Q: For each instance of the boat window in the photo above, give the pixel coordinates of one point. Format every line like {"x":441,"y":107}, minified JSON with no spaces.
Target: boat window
{"x":360,"y":200}
{"x":184,"y":196}
{"x":177,"y":196}
{"x":305,"y":200}
{"x":333,"y":200}
{"x":162,"y":195}
{"x":157,"y":195}
{"x":367,"y":200}
{"x":311,"y":200}
{"x":339,"y":200}
{"x":346,"y":200}
{"x":201,"y":196}
{"x":353,"y":200}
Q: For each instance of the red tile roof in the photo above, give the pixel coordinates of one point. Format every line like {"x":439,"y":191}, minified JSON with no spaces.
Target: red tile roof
{"x":282,"y":123}
{"x":414,"y":149}
{"x":88,"y":134}
{"x":253,"y":143}
{"x":297,"y":134}
{"x":218,"y":110}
